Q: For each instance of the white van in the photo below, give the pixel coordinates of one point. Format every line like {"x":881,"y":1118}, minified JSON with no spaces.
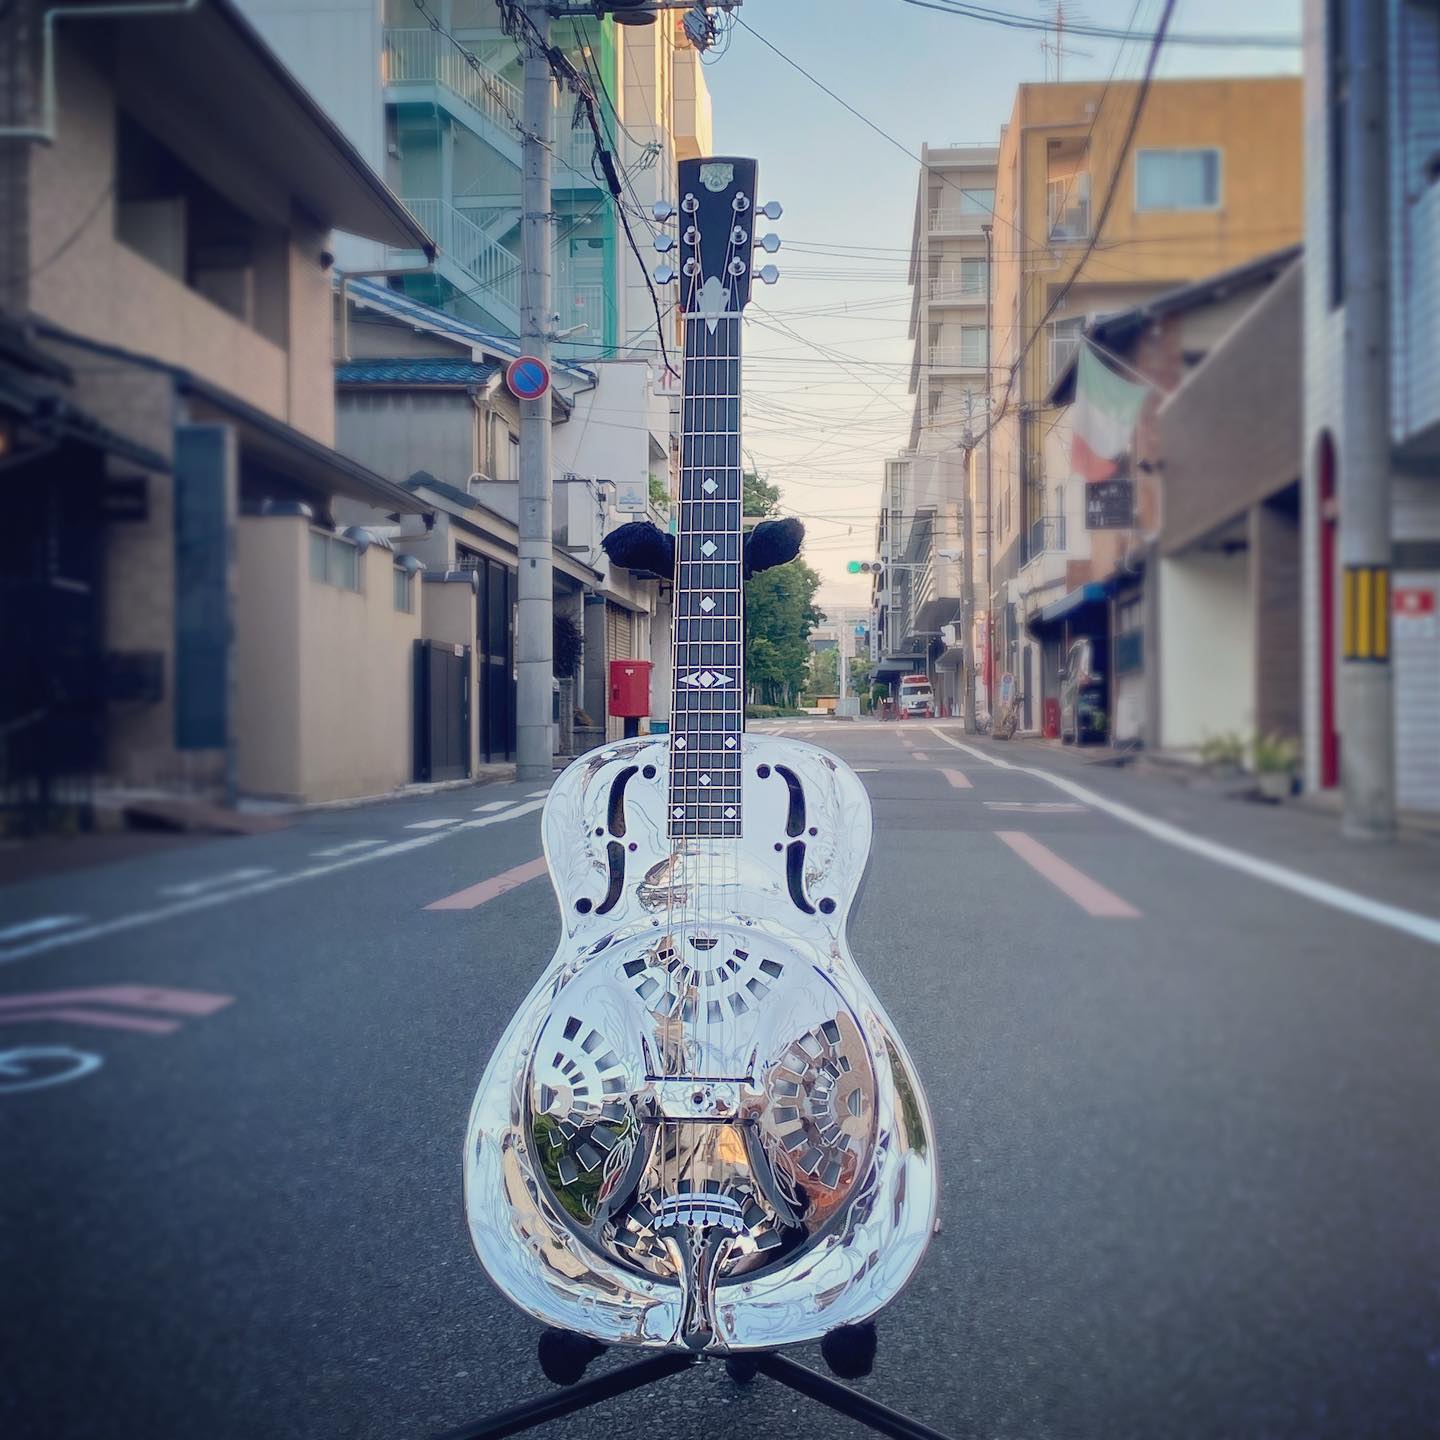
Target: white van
{"x":917,"y":699}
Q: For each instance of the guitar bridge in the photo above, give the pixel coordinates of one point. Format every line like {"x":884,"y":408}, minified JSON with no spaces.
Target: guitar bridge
{"x":696,"y":1097}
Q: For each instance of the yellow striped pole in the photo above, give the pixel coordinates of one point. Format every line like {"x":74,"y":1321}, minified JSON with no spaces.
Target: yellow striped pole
{"x":1366,"y":620}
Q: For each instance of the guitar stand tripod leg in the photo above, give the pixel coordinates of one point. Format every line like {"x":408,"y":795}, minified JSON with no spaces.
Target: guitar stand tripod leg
{"x":742,"y":1368}
{"x":573,"y":1398}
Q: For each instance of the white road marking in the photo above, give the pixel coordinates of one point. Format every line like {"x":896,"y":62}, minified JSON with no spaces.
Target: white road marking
{"x":535,"y":794}
{"x":492,"y":806}
{"x":1410,"y":922}
{"x":121,"y":923}
{"x":865,"y":769}
{"x":1045,"y":807}
{"x":39,"y":926}
{"x":214,"y":882}
{"x":439,"y":824}
{"x":347,"y":849}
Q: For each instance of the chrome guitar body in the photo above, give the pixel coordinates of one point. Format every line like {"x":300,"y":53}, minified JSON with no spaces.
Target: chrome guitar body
{"x":701,"y":1129}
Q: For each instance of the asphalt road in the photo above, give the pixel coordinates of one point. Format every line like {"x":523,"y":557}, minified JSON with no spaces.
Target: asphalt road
{"x":1187,"y":1121}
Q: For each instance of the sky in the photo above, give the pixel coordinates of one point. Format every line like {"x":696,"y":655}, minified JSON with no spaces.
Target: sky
{"x":820,"y":422}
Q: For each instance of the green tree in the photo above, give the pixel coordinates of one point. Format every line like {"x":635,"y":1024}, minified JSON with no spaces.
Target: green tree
{"x":780,"y":613}
{"x":824,"y":676}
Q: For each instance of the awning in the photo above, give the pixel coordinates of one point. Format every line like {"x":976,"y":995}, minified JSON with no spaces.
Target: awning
{"x":1092,"y":593}
{"x":891,"y":667}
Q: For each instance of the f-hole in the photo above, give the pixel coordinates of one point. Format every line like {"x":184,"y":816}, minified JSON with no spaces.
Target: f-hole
{"x":795,"y":875}
{"x":617,"y":799}
{"x":615,"y":853}
{"x":795,"y":820}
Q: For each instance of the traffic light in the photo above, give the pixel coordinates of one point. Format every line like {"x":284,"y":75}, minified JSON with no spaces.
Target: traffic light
{"x":865,"y":567}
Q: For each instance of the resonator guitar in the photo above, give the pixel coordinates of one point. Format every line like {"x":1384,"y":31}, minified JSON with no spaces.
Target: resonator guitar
{"x":701,"y":1130}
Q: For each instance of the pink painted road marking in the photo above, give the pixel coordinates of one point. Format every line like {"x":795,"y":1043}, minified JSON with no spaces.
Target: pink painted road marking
{"x":137,"y":997}
{"x":77,"y":1015}
{"x":957,"y":779}
{"x":490,"y":889}
{"x":1090,"y":895}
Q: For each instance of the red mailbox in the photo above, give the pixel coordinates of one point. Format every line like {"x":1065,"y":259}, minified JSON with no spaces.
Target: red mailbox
{"x":630,"y":688}
{"x":1052,"y":718}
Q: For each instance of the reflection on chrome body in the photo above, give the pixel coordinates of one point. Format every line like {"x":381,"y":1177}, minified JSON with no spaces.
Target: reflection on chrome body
{"x":701,"y":1128}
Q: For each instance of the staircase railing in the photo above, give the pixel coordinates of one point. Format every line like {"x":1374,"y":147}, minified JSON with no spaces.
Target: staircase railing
{"x":495,"y":269}
{"x":422,"y":57}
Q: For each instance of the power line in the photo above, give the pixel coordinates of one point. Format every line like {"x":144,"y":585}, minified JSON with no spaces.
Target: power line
{"x":1012,"y":20}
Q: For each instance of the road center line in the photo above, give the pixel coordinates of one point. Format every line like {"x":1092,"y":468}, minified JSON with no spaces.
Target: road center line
{"x":919,"y":755}
{"x":141,"y":918}
{"x":349,"y":848}
{"x":958,"y":780}
{"x":1423,"y":927}
{"x":213,"y":882}
{"x":490,"y":889}
{"x":1090,"y":895}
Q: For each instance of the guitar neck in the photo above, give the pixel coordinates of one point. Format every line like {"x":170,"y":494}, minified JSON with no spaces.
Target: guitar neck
{"x":707,"y":712}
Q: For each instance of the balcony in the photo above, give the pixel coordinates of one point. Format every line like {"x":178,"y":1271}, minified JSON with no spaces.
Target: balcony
{"x":969,"y":356}
{"x":951,"y":220}
{"x":1047,"y":534}
{"x":952,"y":290}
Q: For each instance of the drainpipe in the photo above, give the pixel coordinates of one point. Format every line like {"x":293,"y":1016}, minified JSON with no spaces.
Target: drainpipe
{"x":45,"y":131}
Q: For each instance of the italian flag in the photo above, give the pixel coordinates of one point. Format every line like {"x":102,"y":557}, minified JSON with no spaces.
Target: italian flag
{"x":1102,"y":419}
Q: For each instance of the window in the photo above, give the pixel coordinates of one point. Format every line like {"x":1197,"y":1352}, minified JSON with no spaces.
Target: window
{"x":404,"y":591}
{"x":973,"y":277}
{"x":512,"y":457}
{"x":170,"y":215}
{"x":334,"y":561}
{"x":1068,"y":207}
{"x":972,"y":345}
{"x":1064,"y":341}
{"x":977,"y":202}
{"x":1177,"y":179}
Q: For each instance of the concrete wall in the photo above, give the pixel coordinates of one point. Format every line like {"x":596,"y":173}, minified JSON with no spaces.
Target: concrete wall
{"x":1207,"y":649}
{"x":87,"y":280}
{"x":324,"y":676}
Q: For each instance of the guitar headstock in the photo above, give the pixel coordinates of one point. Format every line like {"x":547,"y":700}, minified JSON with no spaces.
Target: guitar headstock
{"x":716,"y":222}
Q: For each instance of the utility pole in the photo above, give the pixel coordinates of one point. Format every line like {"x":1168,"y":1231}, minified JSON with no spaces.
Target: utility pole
{"x":1366,"y":694}
{"x":534,"y":660}
{"x":989,"y":233}
{"x":967,"y":583}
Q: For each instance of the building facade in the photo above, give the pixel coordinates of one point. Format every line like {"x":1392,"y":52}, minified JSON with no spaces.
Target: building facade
{"x":1412,"y":216}
{"x":431,"y":97}
{"x":203,"y":618}
{"x":919,"y":595}
{"x":1193,"y":195}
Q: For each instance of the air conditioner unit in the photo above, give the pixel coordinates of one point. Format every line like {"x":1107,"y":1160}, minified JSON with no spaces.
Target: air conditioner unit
{"x":951,"y":633}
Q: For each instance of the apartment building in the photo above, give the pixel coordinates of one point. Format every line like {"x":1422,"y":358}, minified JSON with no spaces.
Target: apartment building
{"x":1194,"y":194}
{"x":919,"y":593}
{"x":196,"y":617}
{"x":1413,"y":224}
{"x":441,"y":126}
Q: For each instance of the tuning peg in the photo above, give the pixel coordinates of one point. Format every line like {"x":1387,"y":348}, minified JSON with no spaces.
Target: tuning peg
{"x":769,"y":243}
{"x":771,"y":210}
{"x":664,"y":241}
{"x":768,"y":273}
{"x":664,"y":274}
{"x":663,"y":210}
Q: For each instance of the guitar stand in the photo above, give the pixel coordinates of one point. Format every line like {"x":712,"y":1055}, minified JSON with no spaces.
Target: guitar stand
{"x":849,"y":1351}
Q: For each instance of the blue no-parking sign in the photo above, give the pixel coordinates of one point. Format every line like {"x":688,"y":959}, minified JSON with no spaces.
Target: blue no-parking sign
{"x":528,"y":377}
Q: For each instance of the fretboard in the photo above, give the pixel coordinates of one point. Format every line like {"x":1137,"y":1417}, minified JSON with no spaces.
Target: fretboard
{"x":708,"y":702}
